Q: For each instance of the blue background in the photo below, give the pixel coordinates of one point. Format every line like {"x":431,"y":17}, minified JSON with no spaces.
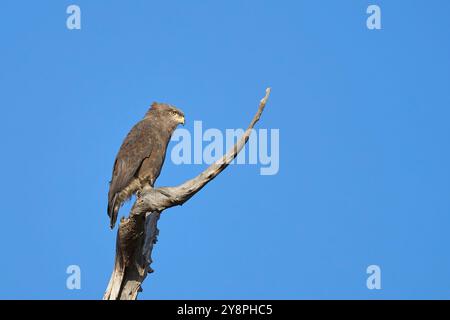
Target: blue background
{"x":364,"y":159}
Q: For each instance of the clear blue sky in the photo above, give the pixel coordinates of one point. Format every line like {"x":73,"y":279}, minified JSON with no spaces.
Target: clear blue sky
{"x":364,"y":145}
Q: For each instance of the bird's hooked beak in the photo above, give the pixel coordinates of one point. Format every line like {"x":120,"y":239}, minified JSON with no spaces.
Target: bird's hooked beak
{"x":182,"y":120}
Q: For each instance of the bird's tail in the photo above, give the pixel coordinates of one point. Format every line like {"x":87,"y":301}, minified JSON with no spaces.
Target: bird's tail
{"x":113,"y":210}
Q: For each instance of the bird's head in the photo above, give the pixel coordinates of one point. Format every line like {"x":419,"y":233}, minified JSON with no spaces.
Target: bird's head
{"x":168,"y":112}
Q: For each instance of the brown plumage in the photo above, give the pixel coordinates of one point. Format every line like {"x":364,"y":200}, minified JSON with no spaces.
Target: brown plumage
{"x":141,"y":155}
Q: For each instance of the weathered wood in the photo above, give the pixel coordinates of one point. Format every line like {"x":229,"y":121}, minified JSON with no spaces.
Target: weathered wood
{"x":138,"y":233}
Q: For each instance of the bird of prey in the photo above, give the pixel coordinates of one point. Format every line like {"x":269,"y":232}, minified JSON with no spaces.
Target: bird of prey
{"x":141,"y":155}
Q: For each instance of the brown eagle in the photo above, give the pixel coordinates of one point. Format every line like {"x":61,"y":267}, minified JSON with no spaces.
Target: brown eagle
{"x":141,"y":155}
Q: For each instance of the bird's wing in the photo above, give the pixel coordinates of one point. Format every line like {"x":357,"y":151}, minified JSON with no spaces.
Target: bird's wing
{"x":137,"y":146}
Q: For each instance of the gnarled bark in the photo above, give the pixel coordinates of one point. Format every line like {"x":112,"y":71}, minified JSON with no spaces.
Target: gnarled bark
{"x":138,"y":233}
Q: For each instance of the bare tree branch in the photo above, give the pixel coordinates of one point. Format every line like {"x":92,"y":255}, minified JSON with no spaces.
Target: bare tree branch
{"x":138,"y":233}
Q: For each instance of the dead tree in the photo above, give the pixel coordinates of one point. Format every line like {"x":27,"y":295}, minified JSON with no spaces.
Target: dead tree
{"x":138,"y":233}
